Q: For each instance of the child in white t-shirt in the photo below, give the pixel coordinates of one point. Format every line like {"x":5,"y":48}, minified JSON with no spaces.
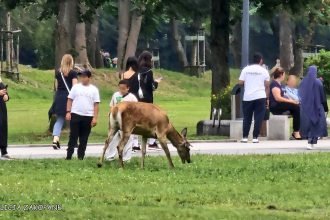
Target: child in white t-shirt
{"x":82,"y":112}
{"x":122,"y":95}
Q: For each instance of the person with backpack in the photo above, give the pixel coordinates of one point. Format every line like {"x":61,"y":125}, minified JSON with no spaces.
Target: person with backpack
{"x":65,"y":79}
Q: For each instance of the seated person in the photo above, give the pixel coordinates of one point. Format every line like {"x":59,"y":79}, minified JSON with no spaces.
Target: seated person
{"x":291,"y":91}
{"x":278,"y":104}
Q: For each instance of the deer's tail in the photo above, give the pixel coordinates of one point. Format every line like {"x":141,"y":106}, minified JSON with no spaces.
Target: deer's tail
{"x":115,"y":118}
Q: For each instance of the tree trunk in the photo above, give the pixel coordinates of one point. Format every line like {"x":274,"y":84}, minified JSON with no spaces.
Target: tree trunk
{"x":286,"y":42}
{"x":65,"y":29}
{"x":177,"y":43}
{"x":297,"y":69}
{"x":194,"y":51}
{"x":123,"y":31}
{"x":236,"y":44}
{"x":91,"y":35}
{"x":220,"y":44}
{"x":133,"y":36}
{"x":98,"y":58}
{"x":80,"y":45}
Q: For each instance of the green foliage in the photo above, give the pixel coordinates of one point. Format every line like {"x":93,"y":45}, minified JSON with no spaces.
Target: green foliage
{"x":322,"y":61}
{"x":212,"y":187}
{"x":223,"y":100}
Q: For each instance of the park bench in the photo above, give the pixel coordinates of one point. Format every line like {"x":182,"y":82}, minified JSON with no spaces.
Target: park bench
{"x":279,"y":127}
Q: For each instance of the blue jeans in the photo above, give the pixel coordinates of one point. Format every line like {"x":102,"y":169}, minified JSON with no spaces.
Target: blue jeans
{"x":58,"y":126}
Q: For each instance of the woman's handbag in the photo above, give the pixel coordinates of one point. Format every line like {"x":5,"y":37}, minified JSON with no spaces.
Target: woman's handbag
{"x":140,"y":92}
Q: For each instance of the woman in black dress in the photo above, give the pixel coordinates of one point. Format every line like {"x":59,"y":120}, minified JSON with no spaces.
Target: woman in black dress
{"x":131,"y":75}
{"x":4,"y":97}
{"x":147,"y":84}
{"x":65,"y":78}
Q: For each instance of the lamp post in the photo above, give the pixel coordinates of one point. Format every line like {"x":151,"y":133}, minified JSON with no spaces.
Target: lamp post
{"x":245,"y":34}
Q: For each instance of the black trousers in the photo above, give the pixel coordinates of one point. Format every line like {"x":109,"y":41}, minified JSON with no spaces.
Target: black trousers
{"x":256,"y":108}
{"x":3,"y":128}
{"x":80,"y":127}
{"x":294,"y":110}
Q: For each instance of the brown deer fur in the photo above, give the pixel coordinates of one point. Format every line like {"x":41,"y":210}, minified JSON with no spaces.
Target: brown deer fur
{"x":149,"y":121}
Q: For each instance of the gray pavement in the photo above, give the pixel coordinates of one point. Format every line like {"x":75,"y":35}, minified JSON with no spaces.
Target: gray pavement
{"x":199,"y":147}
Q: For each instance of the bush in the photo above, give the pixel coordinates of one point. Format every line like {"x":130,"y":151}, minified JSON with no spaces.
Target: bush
{"x":322,"y":61}
{"x":223,"y":100}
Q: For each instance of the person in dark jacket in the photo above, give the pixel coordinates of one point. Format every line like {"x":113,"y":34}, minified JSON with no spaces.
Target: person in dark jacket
{"x":4,"y":97}
{"x":147,"y":84}
{"x":313,"y":121}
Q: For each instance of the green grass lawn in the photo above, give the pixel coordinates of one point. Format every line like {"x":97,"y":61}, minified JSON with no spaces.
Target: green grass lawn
{"x":212,"y":187}
{"x":186,"y":99}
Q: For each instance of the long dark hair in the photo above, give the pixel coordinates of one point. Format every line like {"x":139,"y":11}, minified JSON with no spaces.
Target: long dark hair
{"x":145,"y":60}
{"x":132,"y":62}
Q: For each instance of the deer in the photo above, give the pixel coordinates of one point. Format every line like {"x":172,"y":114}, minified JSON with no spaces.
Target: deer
{"x":149,"y":121}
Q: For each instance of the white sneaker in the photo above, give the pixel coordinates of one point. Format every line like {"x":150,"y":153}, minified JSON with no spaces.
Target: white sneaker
{"x":244,"y":140}
{"x":255,"y":141}
{"x":6,"y":157}
{"x":110,"y":158}
{"x":310,"y":147}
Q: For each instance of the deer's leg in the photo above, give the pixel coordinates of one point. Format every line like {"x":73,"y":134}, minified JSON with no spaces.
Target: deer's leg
{"x":143,"y":150}
{"x":106,"y":144}
{"x":163,"y":143}
{"x":124,"y":139}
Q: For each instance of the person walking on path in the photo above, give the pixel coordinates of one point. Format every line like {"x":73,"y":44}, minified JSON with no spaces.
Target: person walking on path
{"x":255,"y":79}
{"x":123,"y":95}
{"x":313,"y":121}
{"x":65,"y":78}
{"x":4,"y":97}
{"x":147,"y":84}
{"x":131,"y":75}
{"x":82,"y":112}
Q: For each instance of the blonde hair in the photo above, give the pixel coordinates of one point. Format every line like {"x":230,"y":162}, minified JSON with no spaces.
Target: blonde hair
{"x":67,"y":64}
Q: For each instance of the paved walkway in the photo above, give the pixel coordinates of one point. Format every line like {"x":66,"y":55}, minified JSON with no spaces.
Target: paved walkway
{"x":222,"y":148}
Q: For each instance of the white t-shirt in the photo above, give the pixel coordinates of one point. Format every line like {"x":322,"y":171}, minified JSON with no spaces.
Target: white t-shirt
{"x":117,"y":98}
{"x":254,"y":77}
{"x":84,"y":98}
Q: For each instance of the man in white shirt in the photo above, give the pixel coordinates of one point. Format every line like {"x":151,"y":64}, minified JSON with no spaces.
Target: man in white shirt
{"x":82,"y":112}
{"x":122,"y":95}
{"x":255,"y":79}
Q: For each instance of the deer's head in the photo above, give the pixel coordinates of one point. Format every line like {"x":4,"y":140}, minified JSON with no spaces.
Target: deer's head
{"x":184,"y":147}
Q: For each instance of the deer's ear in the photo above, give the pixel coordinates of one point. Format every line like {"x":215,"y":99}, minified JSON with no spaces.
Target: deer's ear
{"x":184,"y":132}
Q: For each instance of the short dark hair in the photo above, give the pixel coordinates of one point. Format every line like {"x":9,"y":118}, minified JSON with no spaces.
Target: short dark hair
{"x":132,"y":62}
{"x":278,"y":72}
{"x":85,"y":72}
{"x":145,"y":60}
{"x":124,"y":82}
{"x":257,"y":57}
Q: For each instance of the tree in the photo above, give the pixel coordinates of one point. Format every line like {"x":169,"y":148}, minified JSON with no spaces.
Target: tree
{"x":220,"y":44}
{"x":286,"y":43}
{"x":176,"y":36}
{"x":65,"y":29}
{"x":130,"y":15}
